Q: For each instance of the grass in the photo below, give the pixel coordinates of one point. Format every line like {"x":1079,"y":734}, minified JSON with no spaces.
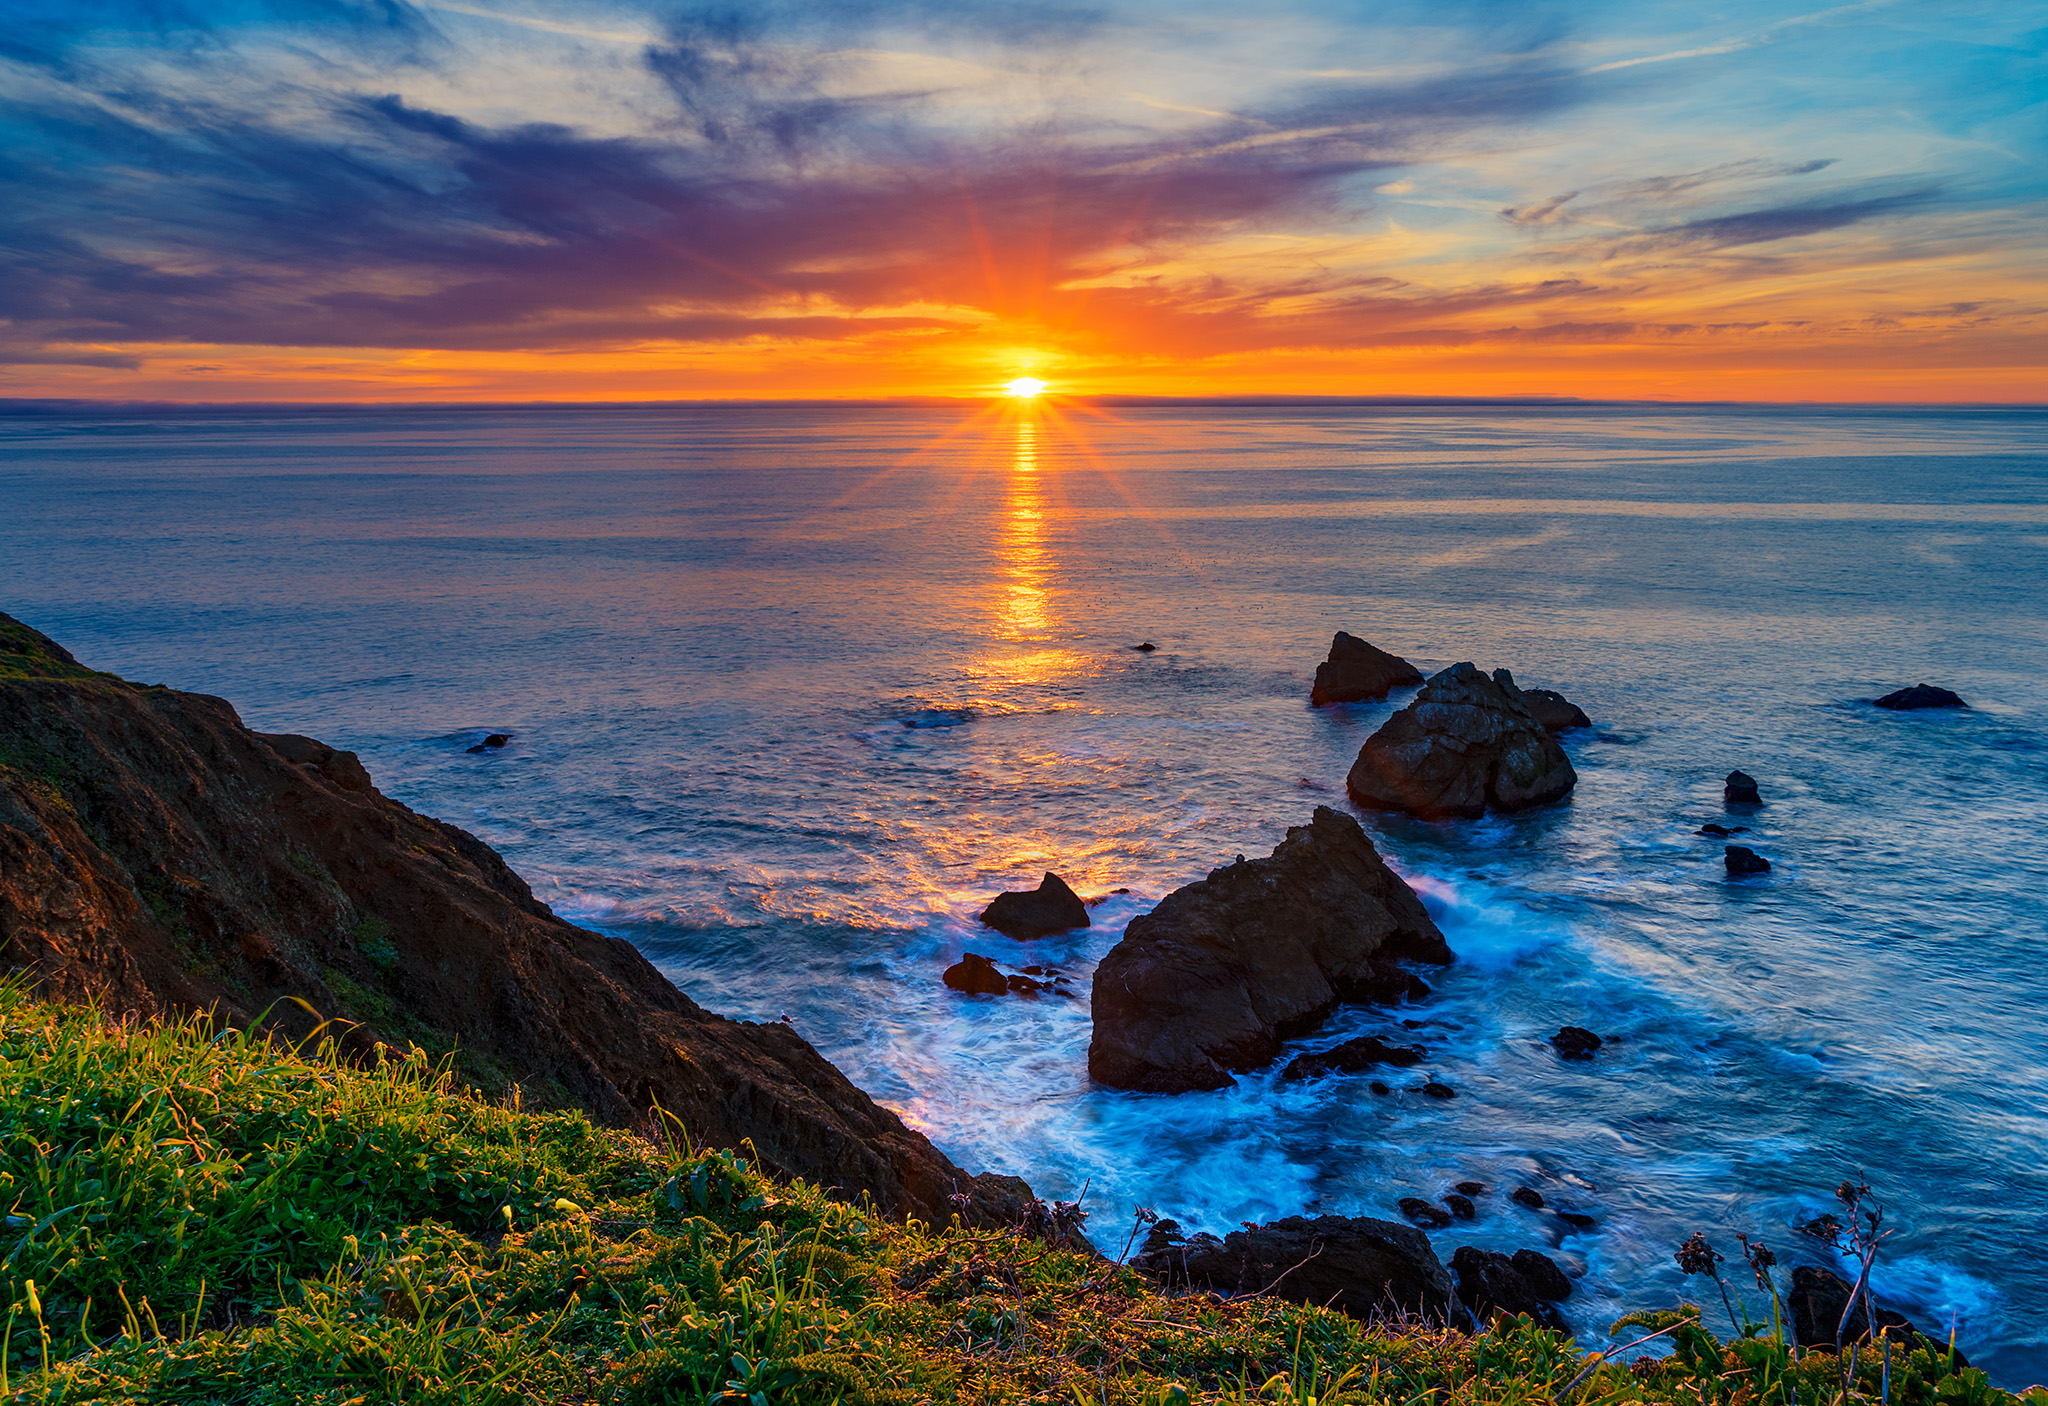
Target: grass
{"x":202,"y":1215}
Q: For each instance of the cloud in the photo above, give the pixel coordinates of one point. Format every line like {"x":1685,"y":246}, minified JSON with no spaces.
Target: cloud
{"x":1543,"y":212}
{"x":1783,"y":221}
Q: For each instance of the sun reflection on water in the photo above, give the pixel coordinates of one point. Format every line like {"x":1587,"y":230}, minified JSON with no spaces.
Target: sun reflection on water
{"x":1024,"y":614}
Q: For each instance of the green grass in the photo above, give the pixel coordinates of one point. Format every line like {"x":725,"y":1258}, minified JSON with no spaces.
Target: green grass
{"x":209,"y":1217}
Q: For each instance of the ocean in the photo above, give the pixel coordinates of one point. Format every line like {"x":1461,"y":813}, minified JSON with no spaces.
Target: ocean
{"x":793,"y":691}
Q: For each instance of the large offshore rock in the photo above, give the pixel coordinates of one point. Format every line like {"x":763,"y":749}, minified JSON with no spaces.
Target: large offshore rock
{"x":1356,"y":671}
{"x":1466,"y":744}
{"x":158,"y":857}
{"x":1920,"y":696}
{"x":1224,"y":970}
{"x":1049,"y":908}
{"x":1364,"y":1267}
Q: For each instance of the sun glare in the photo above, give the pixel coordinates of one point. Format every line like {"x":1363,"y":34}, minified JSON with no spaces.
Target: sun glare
{"x":1024,"y":387}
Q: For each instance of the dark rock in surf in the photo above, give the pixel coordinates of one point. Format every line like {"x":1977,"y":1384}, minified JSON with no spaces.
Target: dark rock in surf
{"x":1435,"y":1090}
{"x":1425,"y":1214}
{"x":1358,"y":1265}
{"x":1527,"y":1196}
{"x":1577,"y":1220}
{"x":492,"y":743}
{"x":1743,"y":861}
{"x":1556,"y":712}
{"x":1818,"y":1301}
{"x":1490,"y":1283}
{"x":1225,"y":970}
{"x":1465,"y":745}
{"x":1721,"y":832}
{"x":1379,"y":1088}
{"x":1461,"y":1206}
{"x":1919,"y":696}
{"x":1471,"y":1188}
{"x":1576,"y":1042}
{"x":1356,"y":671}
{"x":1542,"y":1275}
{"x":1740,"y":790}
{"x":1051,"y":907}
{"x":1352,"y":1057}
{"x":1146,"y":648}
{"x":977,"y":976}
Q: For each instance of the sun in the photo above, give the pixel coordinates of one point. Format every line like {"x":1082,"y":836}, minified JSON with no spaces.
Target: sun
{"x":1024,"y":387}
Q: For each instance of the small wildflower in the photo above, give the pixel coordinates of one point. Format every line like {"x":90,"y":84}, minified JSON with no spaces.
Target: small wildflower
{"x":1760,"y":1260}
{"x":1696,"y":1256}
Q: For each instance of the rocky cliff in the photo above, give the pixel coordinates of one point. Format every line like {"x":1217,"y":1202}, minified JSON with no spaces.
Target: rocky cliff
{"x":157,"y":856}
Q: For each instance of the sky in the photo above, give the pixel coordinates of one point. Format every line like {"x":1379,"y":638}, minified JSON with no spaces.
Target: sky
{"x":476,"y":200}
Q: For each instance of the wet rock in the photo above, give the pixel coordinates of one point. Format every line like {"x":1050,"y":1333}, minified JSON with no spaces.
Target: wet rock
{"x":1146,"y":648}
{"x":1490,"y":1283}
{"x":1471,"y":1188}
{"x":1527,"y":1196}
{"x":1816,"y":1304}
{"x":1436,"y":1090}
{"x":1224,"y":971}
{"x":1465,"y":745}
{"x":492,"y":743}
{"x":1576,"y":1042}
{"x":1356,"y":671}
{"x":1424,"y":1213}
{"x":1556,"y":712}
{"x":1361,"y":1266}
{"x":1742,"y":860}
{"x":1721,"y":831}
{"x":1541,"y":1273}
{"x":1461,"y":1206}
{"x":1352,"y":1057}
{"x":1920,"y":696}
{"x":1740,"y":790}
{"x":1379,"y":1088}
{"x":977,"y":976}
{"x":1051,"y":907}
{"x":1576,"y":1219}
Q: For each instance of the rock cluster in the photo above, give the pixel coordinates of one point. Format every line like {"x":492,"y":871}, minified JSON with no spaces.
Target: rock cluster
{"x":1224,"y":970}
{"x":1466,"y":744}
{"x":978,"y":976}
{"x":1367,"y":1268}
{"x":1049,"y":908}
{"x":1352,"y":1057}
{"x":1356,"y":671}
{"x":223,"y":870}
{"x":1576,"y":1042}
{"x":1743,"y":861}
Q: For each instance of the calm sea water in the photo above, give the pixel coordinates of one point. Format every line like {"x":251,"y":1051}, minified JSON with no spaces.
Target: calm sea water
{"x":712,"y":630}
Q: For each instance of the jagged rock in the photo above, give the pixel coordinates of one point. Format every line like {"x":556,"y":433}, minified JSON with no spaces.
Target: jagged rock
{"x":1556,"y":712}
{"x":1461,"y":1206}
{"x":1051,"y":907}
{"x":1815,"y":1307}
{"x":1364,"y":1267}
{"x":1527,"y":1196}
{"x":1740,"y":790}
{"x":1224,"y":970}
{"x":1576,"y":1042}
{"x":1352,"y":1057}
{"x":1741,"y":860}
{"x":1919,"y":696}
{"x":1356,"y":671}
{"x":1467,"y":743}
{"x":157,"y":858}
{"x":976,"y":975}
{"x":1491,"y":1283}
{"x":1424,"y":1213}
{"x":492,"y":743}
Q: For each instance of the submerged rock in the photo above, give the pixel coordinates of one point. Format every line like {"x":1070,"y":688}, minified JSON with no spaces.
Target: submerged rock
{"x":1361,"y":1266}
{"x":1491,"y":1283}
{"x":1721,"y":831}
{"x":491,"y":743}
{"x":1818,"y":1300}
{"x":1352,"y":1057}
{"x":1051,"y":907}
{"x":1471,"y":1188}
{"x":1146,"y":648}
{"x":1527,"y":1196}
{"x":1424,"y":1213}
{"x":1742,"y":860}
{"x":1740,"y":790}
{"x":1461,"y":1206}
{"x":1465,"y":745}
{"x":1556,"y":712}
{"x":1435,"y":1090}
{"x":1356,"y":671}
{"x":1225,"y":970}
{"x":976,"y":975}
{"x":1919,"y":696}
{"x":1576,"y":1042}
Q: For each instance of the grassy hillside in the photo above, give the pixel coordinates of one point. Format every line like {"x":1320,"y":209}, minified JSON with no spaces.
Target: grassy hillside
{"x":200,"y":1216}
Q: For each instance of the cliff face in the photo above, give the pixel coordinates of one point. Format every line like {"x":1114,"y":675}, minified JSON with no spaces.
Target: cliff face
{"x":158,"y":856}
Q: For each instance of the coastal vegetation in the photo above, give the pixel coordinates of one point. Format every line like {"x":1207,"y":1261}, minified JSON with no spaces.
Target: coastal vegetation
{"x":196,"y":1212}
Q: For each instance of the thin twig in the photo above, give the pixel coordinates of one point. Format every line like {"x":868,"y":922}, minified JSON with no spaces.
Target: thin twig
{"x":1599,"y":1357}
